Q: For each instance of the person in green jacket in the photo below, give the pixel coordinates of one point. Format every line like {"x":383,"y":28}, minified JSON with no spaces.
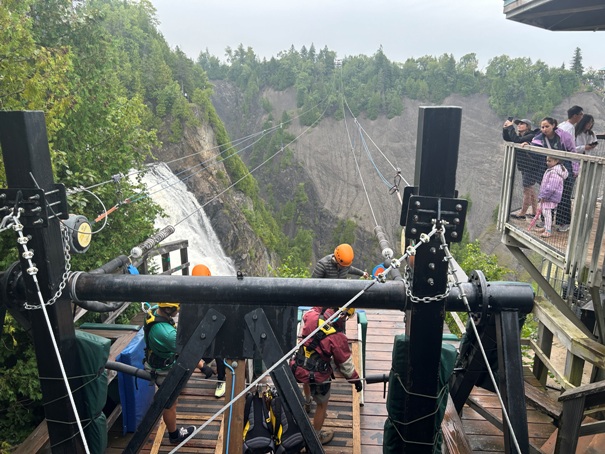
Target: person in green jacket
{"x":160,"y":356}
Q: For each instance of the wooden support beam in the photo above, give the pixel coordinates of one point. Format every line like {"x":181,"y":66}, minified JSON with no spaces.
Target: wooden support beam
{"x":235,"y":441}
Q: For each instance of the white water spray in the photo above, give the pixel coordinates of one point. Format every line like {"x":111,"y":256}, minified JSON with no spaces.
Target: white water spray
{"x":178,"y":203}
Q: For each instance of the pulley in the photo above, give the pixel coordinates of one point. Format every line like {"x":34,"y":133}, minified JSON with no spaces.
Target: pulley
{"x":80,"y":233}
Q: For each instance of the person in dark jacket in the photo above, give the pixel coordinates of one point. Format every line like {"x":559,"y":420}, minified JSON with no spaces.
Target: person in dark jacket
{"x":530,"y":165}
{"x":337,"y":265}
{"x":312,"y":364}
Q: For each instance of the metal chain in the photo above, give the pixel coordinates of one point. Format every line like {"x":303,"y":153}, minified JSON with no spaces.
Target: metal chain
{"x":27,"y":254}
{"x":425,"y":299}
{"x":408,"y":277}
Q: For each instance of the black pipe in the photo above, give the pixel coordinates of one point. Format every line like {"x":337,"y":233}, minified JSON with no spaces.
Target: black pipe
{"x":256,"y":291}
{"x":98,"y":306}
{"x":129,"y":370}
{"x":112,"y":266}
{"x":377,"y":378}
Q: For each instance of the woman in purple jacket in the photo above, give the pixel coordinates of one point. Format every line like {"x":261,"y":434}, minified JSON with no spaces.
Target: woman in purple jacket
{"x":551,"y":190}
{"x":557,"y":139}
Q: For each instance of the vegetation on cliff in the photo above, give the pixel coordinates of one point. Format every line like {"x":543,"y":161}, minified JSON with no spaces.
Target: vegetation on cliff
{"x":375,"y":85}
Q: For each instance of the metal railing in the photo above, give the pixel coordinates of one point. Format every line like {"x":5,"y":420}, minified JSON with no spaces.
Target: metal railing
{"x":576,"y":248}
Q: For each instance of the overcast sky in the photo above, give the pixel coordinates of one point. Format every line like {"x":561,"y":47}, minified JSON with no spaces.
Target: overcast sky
{"x":404,"y":28}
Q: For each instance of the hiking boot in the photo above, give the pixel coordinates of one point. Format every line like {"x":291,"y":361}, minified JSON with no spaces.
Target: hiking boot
{"x":182,"y":434}
{"x":307,"y":406}
{"x":325,"y":436}
{"x":221,"y":387}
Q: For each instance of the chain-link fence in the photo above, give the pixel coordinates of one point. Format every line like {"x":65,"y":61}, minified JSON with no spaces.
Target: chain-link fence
{"x":542,"y":197}
{"x":551,"y":202}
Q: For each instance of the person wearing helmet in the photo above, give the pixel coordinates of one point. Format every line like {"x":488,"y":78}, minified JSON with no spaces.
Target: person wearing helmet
{"x":221,"y":386}
{"x":337,"y":265}
{"x":160,"y":355}
{"x":312,"y":366}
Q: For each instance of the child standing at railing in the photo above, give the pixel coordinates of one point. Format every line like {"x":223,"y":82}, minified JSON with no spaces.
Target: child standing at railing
{"x":551,"y":190}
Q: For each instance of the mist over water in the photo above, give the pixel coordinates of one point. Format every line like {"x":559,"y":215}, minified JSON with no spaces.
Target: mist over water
{"x":178,"y":203}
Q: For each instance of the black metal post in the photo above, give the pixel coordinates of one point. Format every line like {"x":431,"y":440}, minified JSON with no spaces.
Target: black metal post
{"x":283,"y":378}
{"x":27,"y":157}
{"x":510,"y":373}
{"x":436,"y":162}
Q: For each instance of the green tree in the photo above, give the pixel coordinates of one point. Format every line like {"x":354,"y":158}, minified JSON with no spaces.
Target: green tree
{"x":576,"y":62}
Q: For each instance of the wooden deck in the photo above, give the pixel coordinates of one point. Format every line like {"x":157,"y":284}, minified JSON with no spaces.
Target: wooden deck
{"x":483,"y":436}
{"x":358,"y":428}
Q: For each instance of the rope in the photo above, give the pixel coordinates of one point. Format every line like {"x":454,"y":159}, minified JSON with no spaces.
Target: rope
{"x":355,"y":157}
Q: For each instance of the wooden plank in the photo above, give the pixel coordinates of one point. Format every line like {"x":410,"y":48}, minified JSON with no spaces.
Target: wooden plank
{"x":157,"y":440}
{"x":454,"y":437}
{"x":355,"y":348}
{"x":543,"y":401}
{"x":221,"y":439}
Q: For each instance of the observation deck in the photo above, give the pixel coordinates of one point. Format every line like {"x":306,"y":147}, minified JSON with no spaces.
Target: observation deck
{"x":558,"y":15}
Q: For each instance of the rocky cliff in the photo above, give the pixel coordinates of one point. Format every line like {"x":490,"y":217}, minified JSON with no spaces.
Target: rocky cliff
{"x":324,"y":157}
{"x":195,"y":154}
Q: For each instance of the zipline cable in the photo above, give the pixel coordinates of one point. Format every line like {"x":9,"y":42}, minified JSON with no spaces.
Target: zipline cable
{"x":395,"y":263}
{"x":250,"y":172}
{"x":464,"y":298}
{"x":274,"y":366}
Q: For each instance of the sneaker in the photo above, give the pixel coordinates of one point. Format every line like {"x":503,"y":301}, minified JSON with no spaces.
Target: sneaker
{"x":221,"y":387}
{"x":540,"y":224}
{"x":563,"y":228}
{"x":325,"y":436}
{"x":182,"y":434}
{"x":307,"y":406}
{"x":517,"y":216}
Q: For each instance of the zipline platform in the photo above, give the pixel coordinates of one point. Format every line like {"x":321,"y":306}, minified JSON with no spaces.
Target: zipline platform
{"x":358,"y":428}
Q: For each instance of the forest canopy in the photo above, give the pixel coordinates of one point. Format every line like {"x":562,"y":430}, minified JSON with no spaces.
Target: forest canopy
{"x":375,"y":85}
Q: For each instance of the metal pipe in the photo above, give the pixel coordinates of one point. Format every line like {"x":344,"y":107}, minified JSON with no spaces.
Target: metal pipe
{"x":254,"y":291}
{"x":112,"y":266}
{"x":127,"y":369}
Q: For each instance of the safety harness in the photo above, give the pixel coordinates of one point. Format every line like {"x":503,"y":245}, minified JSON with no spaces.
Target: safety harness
{"x":307,"y":356}
{"x":154,"y":360}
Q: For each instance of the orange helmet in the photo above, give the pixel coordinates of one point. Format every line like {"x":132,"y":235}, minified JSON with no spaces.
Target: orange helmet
{"x":344,"y":254}
{"x":200,"y":270}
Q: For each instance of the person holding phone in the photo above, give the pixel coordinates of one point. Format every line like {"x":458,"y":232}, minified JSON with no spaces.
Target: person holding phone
{"x":586,"y":140}
{"x":530,"y":165}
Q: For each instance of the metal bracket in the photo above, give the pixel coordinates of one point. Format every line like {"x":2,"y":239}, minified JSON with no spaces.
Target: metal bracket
{"x":423,"y":211}
{"x":35,"y":204}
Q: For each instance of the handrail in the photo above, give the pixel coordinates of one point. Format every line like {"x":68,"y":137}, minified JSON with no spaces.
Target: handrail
{"x":572,"y":255}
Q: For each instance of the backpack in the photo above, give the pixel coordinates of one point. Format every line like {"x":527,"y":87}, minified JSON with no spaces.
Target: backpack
{"x":287,"y":434}
{"x":258,"y":430}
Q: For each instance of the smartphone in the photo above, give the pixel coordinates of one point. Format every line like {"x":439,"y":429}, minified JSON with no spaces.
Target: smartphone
{"x":510,"y":118}
{"x":595,"y":143}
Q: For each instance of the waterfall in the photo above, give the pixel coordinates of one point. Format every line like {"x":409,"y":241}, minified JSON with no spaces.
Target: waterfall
{"x":178,"y":203}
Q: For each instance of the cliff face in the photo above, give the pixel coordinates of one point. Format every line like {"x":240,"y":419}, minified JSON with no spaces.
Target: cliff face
{"x":225,"y":211}
{"x":323,"y":160}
